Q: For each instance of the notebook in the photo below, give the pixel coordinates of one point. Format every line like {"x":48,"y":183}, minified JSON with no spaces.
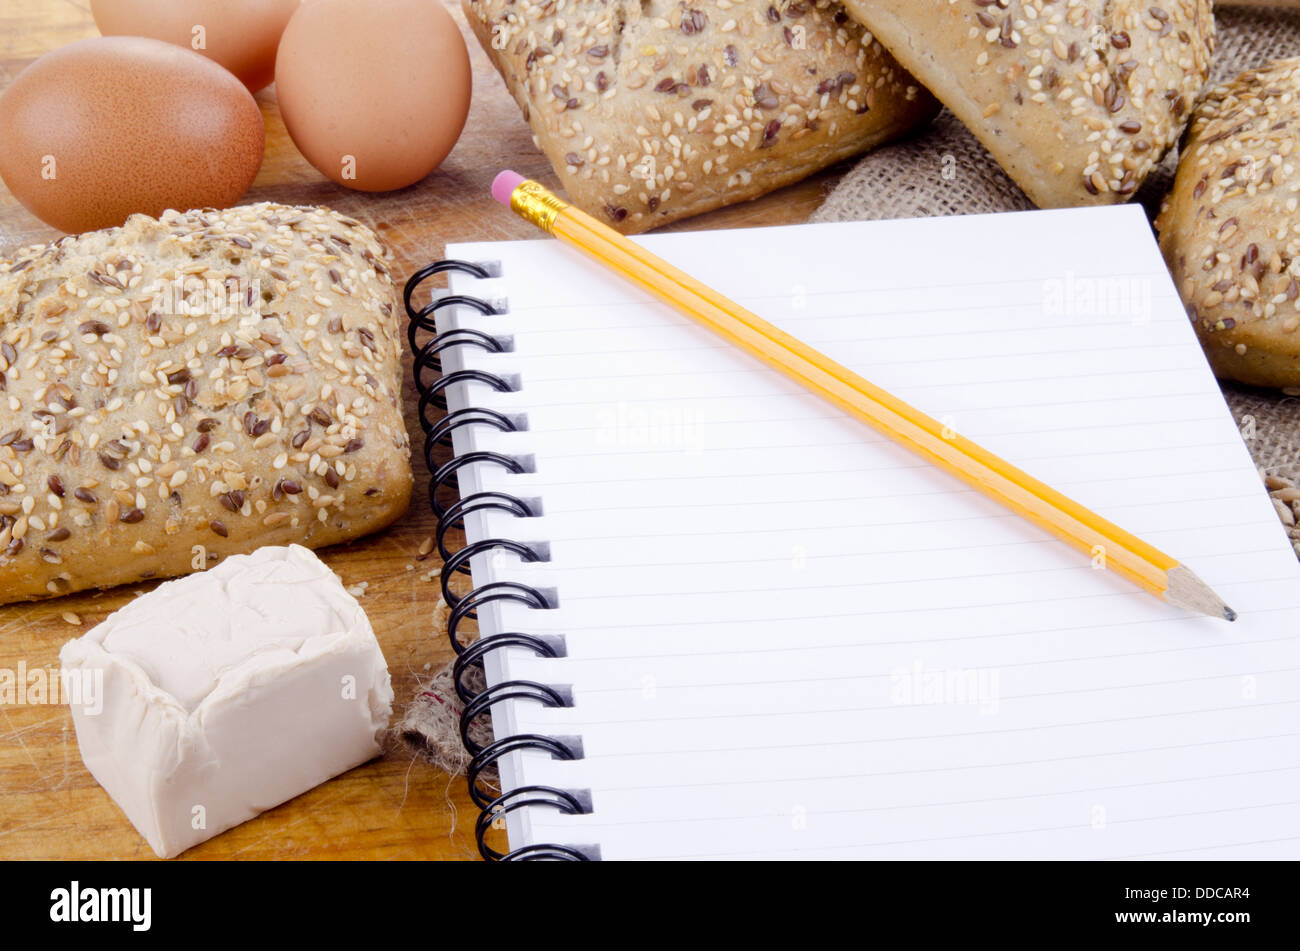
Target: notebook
{"x":782,"y":636}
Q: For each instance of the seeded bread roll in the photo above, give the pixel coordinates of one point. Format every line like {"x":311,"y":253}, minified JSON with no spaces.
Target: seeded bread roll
{"x":175,"y":391}
{"x":654,"y":110}
{"x":1228,"y":226}
{"x":1078,"y":100}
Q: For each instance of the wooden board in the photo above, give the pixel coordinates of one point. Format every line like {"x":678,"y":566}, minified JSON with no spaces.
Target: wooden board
{"x":396,"y":806}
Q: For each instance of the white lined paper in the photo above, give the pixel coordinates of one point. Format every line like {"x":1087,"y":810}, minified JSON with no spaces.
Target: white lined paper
{"x":755,"y":591}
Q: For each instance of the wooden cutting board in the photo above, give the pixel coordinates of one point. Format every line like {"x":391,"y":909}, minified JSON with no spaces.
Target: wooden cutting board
{"x":396,"y":807}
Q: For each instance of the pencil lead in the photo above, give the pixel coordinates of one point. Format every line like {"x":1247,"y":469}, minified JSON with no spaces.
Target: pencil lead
{"x":1190,"y":592}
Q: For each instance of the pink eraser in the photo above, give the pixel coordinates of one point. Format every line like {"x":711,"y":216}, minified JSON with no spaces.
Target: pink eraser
{"x":505,"y":183}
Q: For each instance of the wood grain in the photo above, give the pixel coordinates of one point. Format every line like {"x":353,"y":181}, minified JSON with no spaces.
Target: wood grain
{"x":394,"y":807}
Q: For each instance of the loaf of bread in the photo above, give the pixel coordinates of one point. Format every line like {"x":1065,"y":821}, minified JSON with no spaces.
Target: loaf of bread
{"x":1078,"y":100}
{"x":652,"y":110}
{"x":173,"y":391}
{"x":1228,"y":227}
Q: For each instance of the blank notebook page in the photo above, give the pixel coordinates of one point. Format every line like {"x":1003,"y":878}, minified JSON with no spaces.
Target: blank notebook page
{"x":785,"y":636}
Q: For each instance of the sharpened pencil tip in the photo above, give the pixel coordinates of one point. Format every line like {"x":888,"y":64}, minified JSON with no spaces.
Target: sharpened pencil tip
{"x":1190,"y":592}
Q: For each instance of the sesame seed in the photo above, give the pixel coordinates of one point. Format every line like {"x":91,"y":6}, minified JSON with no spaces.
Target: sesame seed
{"x":165,"y":369}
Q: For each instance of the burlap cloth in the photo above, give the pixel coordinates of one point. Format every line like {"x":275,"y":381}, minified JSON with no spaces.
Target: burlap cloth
{"x":945,"y":171}
{"x":430,"y":727}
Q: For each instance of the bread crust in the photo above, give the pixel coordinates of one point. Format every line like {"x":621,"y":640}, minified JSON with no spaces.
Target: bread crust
{"x":177,"y":390}
{"x":1227,"y":226}
{"x":1077,"y":101}
{"x":653,"y":111}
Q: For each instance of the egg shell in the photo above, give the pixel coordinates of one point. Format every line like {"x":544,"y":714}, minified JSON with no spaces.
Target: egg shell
{"x":241,"y":35}
{"x":373,"y":92}
{"x":105,"y":127}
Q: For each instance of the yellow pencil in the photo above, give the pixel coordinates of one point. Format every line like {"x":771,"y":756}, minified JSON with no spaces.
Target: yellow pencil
{"x":1144,"y":565}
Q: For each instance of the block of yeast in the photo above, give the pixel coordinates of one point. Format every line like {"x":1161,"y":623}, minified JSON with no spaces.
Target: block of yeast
{"x":220,"y":695}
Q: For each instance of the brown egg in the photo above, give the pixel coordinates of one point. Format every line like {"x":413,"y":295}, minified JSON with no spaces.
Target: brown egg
{"x":241,"y":35}
{"x":103,"y":128}
{"x":373,"y":92}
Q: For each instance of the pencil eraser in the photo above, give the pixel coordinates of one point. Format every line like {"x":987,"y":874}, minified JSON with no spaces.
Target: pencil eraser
{"x":504,"y":184}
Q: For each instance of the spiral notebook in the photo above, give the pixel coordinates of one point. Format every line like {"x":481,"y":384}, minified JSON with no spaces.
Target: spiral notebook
{"x":719,"y":619}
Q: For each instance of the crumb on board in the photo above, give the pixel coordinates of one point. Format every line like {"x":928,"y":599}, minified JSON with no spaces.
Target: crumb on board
{"x":72,"y":618}
{"x":358,"y":590}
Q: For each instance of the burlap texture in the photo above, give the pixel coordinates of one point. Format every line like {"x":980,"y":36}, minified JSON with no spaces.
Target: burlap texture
{"x":946,"y":171}
{"x":431,"y":725}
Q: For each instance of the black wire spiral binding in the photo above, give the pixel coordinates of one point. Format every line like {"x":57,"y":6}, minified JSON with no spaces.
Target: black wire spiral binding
{"x":439,"y":432}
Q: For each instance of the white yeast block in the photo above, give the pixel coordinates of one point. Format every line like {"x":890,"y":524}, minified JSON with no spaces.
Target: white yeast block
{"x":228,"y":692}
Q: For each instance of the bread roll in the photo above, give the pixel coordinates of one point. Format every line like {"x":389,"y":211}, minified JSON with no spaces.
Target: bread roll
{"x":1228,"y":226}
{"x":1078,"y":100}
{"x":173,"y":391}
{"x":653,"y":111}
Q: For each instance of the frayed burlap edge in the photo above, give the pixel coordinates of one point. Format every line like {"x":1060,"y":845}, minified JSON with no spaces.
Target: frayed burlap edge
{"x":430,"y":727}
